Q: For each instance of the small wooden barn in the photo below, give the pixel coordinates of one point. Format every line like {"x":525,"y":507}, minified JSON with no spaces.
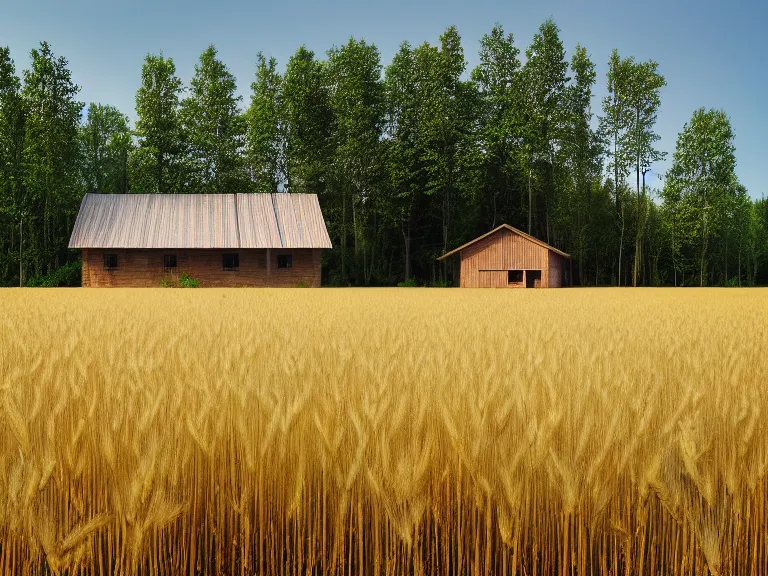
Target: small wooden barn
{"x":505,"y":257}
{"x":218,"y":239}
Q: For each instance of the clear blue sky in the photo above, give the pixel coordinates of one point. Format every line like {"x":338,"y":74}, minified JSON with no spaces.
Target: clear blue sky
{"x":712,"y":54}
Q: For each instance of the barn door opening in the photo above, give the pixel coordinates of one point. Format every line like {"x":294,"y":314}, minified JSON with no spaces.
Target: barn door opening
{"x":533,"y":278}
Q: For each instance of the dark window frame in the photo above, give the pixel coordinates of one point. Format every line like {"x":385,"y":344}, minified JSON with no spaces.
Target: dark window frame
{"x":108,"y":262}
{"x":513,"y":274}
{"x":285,"y":261}
{"x":234,"y":262}
{"x":170,"y":263}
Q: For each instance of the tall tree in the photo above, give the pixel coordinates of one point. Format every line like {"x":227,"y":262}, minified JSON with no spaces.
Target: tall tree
{"x":403,"y":154}
{"x":158,"y":161}
{"x":703,"y":175}
{"x":581,"y":155}
{"x":614,"y":125}
{"x":264,"y":149}
{"x":51,"y":158}
{"x":643,"y":99}
{"x":214,"y":129}
{"x":308,"y":122}
{"x":743,"y":234}
{"x":12,"y":192}
{"x":501,"y":118}
{"x":448,"y":121}
{"x":759,"y":266}
{"x":545,"y":78}
{"x":106,"y":139}
{"x":357,"y":101}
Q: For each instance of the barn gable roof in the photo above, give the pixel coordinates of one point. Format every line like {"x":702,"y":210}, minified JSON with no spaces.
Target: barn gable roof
{"x":200,"y":221}
{"x":511,"y":229}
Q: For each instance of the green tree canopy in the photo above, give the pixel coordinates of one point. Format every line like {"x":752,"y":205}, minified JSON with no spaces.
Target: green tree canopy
{"x":106,"y":140}
{"x":51,"y":158}
{"x":214,"y":129}
{"x":158,"y":163}
{"x":702,"y":179}
{"x":264,"y":151}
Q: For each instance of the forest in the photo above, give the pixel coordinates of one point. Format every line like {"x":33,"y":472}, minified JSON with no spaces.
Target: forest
{"x":409,"y":159}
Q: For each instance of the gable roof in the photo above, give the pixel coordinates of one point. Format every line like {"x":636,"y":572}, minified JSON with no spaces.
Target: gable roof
{"x":280,"y":220}
{"x":511,"y":229}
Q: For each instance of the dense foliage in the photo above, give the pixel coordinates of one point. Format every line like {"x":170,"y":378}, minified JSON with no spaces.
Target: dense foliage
{"x":409,"y":159}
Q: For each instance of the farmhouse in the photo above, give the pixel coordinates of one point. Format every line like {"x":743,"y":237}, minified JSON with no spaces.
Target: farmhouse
{"x":218,"y":239}
{"x":505,"y":257}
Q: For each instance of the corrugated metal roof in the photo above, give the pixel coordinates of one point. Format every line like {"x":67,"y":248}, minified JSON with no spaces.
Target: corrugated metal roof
{"x":200,"y":221}
{"x":257,"y":221}
{"x":301,"y":221}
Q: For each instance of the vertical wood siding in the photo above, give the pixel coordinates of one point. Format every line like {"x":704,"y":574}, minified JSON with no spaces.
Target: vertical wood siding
{"x":485,"y":264}
{"x":144,"y":268}
{"x":555,"y":270}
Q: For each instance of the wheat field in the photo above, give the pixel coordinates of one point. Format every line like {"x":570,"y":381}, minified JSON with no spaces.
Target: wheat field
{"x":384,"y":431}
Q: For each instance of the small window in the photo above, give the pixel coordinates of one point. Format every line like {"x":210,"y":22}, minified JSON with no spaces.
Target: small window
{"x":285,"y":261}
{"x":110,"y":261}
{"x":515,"y":276}
{"x":231,"y":261}
{"x":169,"y":262}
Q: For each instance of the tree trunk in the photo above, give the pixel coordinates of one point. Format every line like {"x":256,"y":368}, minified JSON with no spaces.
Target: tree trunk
{"x":619,"y":204}
{"x":344,"y":238}
{"x":493,"y":223}
{"x":703,"y":247}
{"x":355,"y":243}
{"x":597,"y":269}
{"x":530,"y":201}
{"x":674,"y":246}
{"x":639,"y":224}
{"x":407,"y":241}
{"x":445,"y":221}
{"x":21,"y":252}
{"x":368,"y":265}
{"x":621,"y":241}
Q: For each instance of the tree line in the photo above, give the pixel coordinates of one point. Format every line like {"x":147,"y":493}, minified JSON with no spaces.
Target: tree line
{"x":409,"y":160}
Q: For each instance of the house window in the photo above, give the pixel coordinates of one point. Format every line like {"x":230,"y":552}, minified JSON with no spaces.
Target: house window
{"x":110,"y":261}
{"x":231,"y":261}
{"x":169,"y":263}
{"x":515,"y":276}
{"x":284,"y":261}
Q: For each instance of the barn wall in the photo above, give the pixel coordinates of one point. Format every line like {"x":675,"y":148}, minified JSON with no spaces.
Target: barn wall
{"x":137,"y":268}
{"x":492,"y":279}
{"x":555,"y":270}
{"x":485,"y":263}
